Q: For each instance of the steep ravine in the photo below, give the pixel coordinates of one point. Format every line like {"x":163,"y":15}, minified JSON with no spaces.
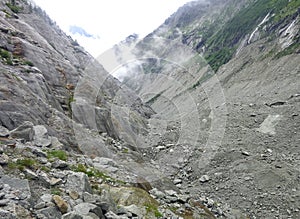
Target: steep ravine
{"x":205,"y":123}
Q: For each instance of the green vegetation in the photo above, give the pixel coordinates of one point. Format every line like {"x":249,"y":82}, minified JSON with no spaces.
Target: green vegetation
{"x":289,"y":50}
{"x":16,"y":9}
{"x":21,"y":164}
{"x":6,"y":56}
{"x":290,"y":9}
{"x":125,"y":150}
{"x":223,"y":44}
{"x":60,"y":154}
{"x":55,"y":191}
{"x":70,"y":101}
{"x":92,"y":172}
{"x":45,"y":169}
{"x":150,"y":208}
{"x":29,"y":63}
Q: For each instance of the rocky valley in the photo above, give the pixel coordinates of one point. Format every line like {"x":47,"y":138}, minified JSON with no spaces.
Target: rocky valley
{"x":200,"y":119}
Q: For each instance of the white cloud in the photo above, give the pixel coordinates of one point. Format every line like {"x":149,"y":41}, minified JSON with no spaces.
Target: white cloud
{"x":112,"y":20}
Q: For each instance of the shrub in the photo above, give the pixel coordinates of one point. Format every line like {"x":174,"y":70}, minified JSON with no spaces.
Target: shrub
{"x":60,"y":154}
{"x":5,"y":54}
{"x":153,"y":209}
{"x":55,"y":191}
{"x":92,"y":172}
{"x":13,"y":7}
{"x":29,"y":63}
{"x":22,"y":163}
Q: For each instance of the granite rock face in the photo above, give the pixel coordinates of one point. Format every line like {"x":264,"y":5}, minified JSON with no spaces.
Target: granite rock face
{"x":46,"y":79}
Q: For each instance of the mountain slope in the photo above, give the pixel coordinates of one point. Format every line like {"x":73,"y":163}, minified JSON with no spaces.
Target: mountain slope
{"x":224,"y":80}
{"x":219,"y":139}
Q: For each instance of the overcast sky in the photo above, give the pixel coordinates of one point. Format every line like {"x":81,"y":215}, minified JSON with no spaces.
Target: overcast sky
{"x":110,"y":21}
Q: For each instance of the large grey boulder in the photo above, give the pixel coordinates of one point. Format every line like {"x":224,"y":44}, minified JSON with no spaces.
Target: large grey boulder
{"x":107,"y":164}
{"x":24,"y":131}
{"x":50,"y":212}
{"x":41,"y":137}
{"x":16,"y":184}
{"x":85,"y":211}
{"x":86,"y":208}
{"x":78,"y":182}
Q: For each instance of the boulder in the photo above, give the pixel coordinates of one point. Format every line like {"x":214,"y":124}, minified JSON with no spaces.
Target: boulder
{"x":78,"y":182}
{"x":41,"y":137}
{"x":16,"y":184}
{"x":50,"y":212}
{"x":86,"y":208}
{"x":85,"y":211}
{"x":24,"y":131}
{"x":60,"y":203}
{"x":4,"y":132}
{"x":139,"y":211}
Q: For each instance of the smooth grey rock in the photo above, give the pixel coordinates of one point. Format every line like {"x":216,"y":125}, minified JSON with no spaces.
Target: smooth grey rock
{"x":50,"y":212}
{"x":40,"y":205}
{"x":105,"y":161}
{"x":87,"y":197}
{"x":4,"y":202}
{"x":16,"y":184}
{"x":158,"y":194}
{"x":59,"y":164}
{"x":171,"y":192}
{"x":107,"y":164}
{"x":177,"y":181}
{"x":86,"y":208}
{"x":139,"y":211}
{"x":78,"y":182}
{"x":72,"y":215}
{"x":24,"y":131}
{"x":46,"y":198}
{"x":4,"y":132}
{"x":41,"y":137}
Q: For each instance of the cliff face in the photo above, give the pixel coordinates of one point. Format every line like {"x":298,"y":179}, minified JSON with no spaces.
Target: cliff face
{"x":41,"y":67}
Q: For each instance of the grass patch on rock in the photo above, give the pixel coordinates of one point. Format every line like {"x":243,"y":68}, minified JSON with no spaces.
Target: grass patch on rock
{"x":60,"y":154}
{"x":21,"y":164}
